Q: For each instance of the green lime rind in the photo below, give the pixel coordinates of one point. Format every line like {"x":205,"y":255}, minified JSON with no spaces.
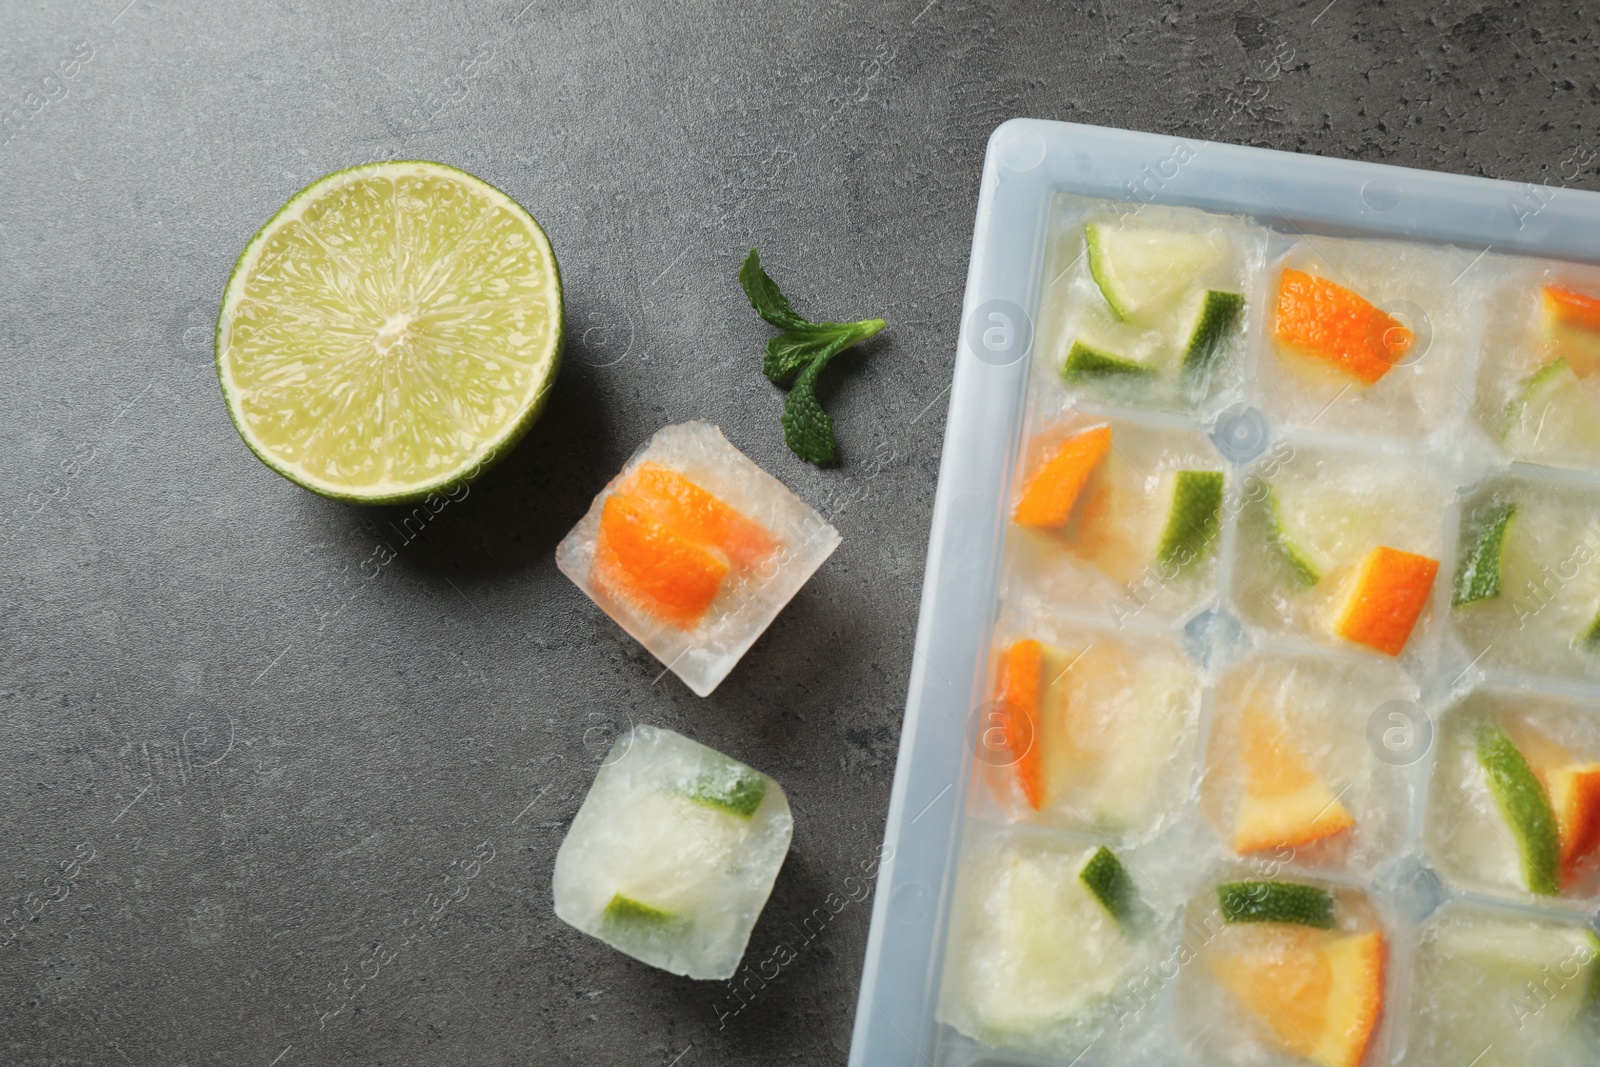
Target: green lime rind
{"x":1541,"y":381}
{"x":1109,"y":881}
{"x":623,"y":910}
{"x":1276,"y":902}
{"x":1193,"y":520}
{"x":1216,"y":318}
{"x":1305,"y":573}
{"x":1100,"y":271}
{"x":490,"y":452}
{"x":1088,"y":363}
{"x":737,"y":791}
{"x":1589,"y":640}
{"x":1478,"y":571}
{"x":1525,"y":806}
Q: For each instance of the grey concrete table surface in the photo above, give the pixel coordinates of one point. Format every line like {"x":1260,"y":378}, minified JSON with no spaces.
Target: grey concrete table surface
{"x":281,"y":781}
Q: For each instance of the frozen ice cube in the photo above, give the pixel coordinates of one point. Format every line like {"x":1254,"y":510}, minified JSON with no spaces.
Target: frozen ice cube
{"x":673,"y":853}
{"x":1497,"y":989}
{"x":1142,"y":538}
{"x":1311,"y":516}
{"x":1291,"y":776}
{"x":1546,"y":560}
{"x":1156,"y":337}
{"x":1475,"y":841}
{"x":693,"y":549}
{"x":1538,"y":396}
{"x":1247,"y":995}
{"x":1113,"y":721}
{"x":1415,"y":285}
{"x":1037,"y":961}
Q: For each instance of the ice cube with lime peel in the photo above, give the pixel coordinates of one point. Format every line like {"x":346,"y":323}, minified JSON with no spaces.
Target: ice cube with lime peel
{"x":673,"y":853}
{"x":693,"y":550}
{"x":1497,"y":989}
{"x":1045,"y":936}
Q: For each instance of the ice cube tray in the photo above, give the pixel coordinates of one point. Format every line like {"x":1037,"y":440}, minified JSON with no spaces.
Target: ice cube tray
{"x":1453,"y":252}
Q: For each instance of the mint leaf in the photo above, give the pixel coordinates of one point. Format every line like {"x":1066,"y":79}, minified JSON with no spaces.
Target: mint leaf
{"x":804,"y":348}
{"x":807,"y":429}
{"x":765,"y":297}
{"x":788,"y":352}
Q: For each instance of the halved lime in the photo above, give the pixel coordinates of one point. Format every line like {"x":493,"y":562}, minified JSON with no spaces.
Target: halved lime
{"x":391,"y":332}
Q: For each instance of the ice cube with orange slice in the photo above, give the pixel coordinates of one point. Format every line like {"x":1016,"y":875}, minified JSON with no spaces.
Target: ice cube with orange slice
{"x":693,"y":550}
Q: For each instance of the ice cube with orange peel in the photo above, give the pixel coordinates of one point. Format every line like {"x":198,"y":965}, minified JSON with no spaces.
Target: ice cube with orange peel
{"x":693,"y":550}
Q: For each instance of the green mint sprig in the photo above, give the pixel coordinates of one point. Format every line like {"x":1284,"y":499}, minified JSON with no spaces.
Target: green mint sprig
{"x":800,"y":353}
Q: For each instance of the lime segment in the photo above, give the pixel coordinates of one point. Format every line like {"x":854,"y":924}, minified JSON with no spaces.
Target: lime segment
{"x":390,"y":332}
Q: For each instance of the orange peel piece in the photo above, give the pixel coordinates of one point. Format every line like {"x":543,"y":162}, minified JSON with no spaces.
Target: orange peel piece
{"x":1055,"y":485}
{"x":1572,"y":308}
{"x":1017,"y":710}
{"x":642,"y":560}
{"x":698,"y":515}
{"x":1323,"y":319}
{"x":1320,"y":994}
{"x":1285,"y":803}
{"x":1390,"y":591}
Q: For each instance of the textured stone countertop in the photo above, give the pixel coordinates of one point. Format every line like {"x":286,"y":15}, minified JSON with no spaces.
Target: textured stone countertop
{"x":251,"y":766}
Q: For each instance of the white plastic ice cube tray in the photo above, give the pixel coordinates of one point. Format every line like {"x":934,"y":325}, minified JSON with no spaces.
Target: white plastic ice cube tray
{"x":1005,"y":387}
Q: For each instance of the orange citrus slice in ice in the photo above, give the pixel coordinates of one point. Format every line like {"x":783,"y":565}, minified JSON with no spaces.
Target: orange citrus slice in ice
{"x":1021,"y":677}
{"x":1053,"y":488}
{"x":1575,"y":796}
{"x":640,"y":559}
{"x":1320,"y":318}
{"x":1285,"y":803}
{"x":1320,"y":994}
{"x":695,"y":514}
{"x":1572,"y":308}
{"x":1390,"y":592}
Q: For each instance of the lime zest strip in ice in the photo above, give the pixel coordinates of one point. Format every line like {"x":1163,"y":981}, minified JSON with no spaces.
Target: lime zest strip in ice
{"x":1525,"y":806}
{"x":1193,"y":520}
{"x":1305,"y":572}
{"x":1215,"y":315}
{"x":1136,"y":268}
{"x":737,"y":793}
{"x":1113,"y":887}
{"x":1276,"y":902}
{"x":625,"y":911}
{"x":390,"y":333}
{"x":1085,"y":362}
{"x":1478,"y":571}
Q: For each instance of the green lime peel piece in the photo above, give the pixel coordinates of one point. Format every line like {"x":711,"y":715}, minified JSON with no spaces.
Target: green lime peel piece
{"x":1218,"y":316}
{"x":737,"y":792}
{"x":1113,"y":887}
{"x":1276,"y":902}
{"x":1478,"y":572}
{"x":625,"y":911}
{"x":1193,"y":521}
{"x":1304,"y":572}
{"x":1525,"y":806}
{"x":1085,"y":362}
